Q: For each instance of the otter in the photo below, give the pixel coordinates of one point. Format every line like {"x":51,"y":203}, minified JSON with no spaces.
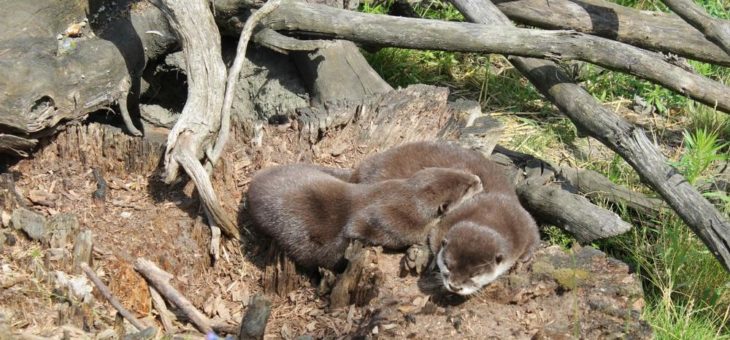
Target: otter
{"x":404,"y":160}
{"x":313,"y":215}
{"x":482,"y":238}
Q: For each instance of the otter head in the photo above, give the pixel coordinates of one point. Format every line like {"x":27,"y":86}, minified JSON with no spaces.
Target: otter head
{"x":440,"y":190}
{"x":470,"y":257}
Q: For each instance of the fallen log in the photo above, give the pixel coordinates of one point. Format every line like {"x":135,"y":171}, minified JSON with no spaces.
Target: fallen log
{"x":452,"y":36}
{"x":654,"y":31}
{"x":596,"y":186}
{"x":623,"y":138}
{"x":715,"y":30}
{"x":47,"y":82}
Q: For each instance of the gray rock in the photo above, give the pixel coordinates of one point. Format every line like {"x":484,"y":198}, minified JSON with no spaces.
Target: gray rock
{"x":32,"y":223}
{"x":62,"y":228}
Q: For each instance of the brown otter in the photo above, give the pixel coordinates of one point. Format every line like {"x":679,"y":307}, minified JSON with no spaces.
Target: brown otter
{"x":482,"y":238}
{"x":404,"y":160}
{"x":312,"y":215}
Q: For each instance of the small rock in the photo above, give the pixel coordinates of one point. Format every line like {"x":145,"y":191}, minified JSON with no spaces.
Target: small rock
{"x":125,"y":214}
{"x":5,"y":218}
{"x":32,"y":223}
{"x":79,"y":285}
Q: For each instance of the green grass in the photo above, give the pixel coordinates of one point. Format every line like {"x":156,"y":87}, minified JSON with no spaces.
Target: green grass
{"x":687,"y":291}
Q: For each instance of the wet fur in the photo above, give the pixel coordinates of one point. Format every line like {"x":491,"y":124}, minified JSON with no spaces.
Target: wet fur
{"x":312,"y":215}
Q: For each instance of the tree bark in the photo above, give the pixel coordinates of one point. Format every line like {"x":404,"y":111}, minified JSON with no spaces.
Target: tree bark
{"x":47,"y":82}
{"x":194,"y":134}
{"x":716,"y":30}
{"x":649,"y":30}
{"x":451,"y":36}
{"x":628,"y":141}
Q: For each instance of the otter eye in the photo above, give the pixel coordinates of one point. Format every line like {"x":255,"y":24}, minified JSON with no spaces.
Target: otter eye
{"x":498,"y":259}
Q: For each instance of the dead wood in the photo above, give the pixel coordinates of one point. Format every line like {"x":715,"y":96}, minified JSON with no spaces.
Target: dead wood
{"x":82,"y":249}
{"x":649,"y":30}
{"x":280,"y":272}
{"x":160,"y":280}
{"x":199,"y":124}
{"x":233,"y":74}
{"x":107,"y":294}
{"x":48,"y":82}
{"x":334,"y":71}
{"x":623,"y":138}
{"x":361,"y":280}
{"x":283,"y":44}
{"x":451,"y":36}
{"x":715,"y":30}
{"x":572,"y":213}
{"x":253,"y":325}
{"x":165,"y":315}
{"x":339,"y":72}
{"x":596,"y":186}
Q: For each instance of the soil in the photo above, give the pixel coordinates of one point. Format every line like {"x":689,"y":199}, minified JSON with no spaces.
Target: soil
{"x":577,"y":293}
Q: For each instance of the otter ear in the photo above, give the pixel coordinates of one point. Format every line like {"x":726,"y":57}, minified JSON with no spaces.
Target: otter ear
{"x":498,"y":259}
{"x":444,"y":242}
{"x":443,"y":207}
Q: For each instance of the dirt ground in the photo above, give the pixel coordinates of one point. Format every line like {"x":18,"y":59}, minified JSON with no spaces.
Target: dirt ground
{"x":580,"y":293}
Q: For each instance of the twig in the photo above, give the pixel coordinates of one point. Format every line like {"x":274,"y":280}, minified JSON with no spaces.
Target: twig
{"x":159,"y":279}
{"x":109,"y":297}
{"x":162,"y":310}
{"x":233,"y":75}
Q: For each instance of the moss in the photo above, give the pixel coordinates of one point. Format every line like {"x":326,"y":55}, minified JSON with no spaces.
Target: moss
{"x":570,"y":278}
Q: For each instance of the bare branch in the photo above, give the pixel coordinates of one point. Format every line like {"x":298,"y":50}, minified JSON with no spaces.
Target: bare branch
{"x":716,"y":30}
{"x":104,"y":290}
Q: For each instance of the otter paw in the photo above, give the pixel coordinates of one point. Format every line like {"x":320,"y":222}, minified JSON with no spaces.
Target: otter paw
{"x":326,"y":282}
{"x":417,"y":258}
